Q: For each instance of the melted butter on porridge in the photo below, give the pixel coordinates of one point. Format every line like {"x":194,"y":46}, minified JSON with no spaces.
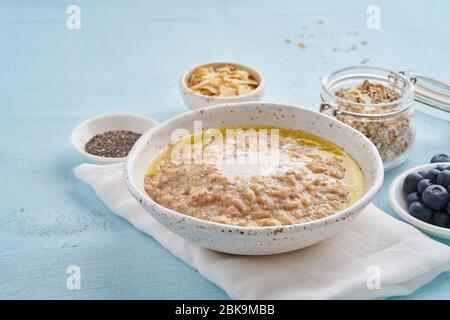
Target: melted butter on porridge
{"x":276,"y":179}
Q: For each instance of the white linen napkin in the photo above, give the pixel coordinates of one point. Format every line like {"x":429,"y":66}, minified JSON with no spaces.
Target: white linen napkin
{"x":376,"y":256}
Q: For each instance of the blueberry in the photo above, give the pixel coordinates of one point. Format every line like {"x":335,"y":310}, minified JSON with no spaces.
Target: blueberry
{"x":435,"y":197}
{"x":424,"y":183}
{"x":413,"y":197}
{"x":440,"y":157}
{"x":440,"y":219}
{"x":432,"y":174}
{"x":422,"y":173}
{"x":410,"y":182}
{"x":443,"y":178}
{"x":419,"y":211}
{"x":448,"y":208}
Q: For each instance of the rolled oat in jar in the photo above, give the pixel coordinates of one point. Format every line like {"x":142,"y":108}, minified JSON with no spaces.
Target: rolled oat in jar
{"x":376,"y":102}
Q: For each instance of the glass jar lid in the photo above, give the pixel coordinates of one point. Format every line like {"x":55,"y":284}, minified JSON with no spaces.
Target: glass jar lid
{"x":430,"y":91}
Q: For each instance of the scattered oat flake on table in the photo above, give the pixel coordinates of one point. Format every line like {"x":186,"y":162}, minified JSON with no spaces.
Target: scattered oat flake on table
{"x":352,"y":48}
{"x":288,"y":40}
{"x":365,"y":60}
{"x":364,"y":43}
{"x":301,"y":45}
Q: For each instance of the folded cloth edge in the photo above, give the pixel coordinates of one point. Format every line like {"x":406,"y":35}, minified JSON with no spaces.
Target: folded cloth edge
{"x":82,"y":172}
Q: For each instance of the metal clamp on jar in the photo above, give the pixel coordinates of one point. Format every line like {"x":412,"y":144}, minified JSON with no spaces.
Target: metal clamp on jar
{"x":379,"y":103}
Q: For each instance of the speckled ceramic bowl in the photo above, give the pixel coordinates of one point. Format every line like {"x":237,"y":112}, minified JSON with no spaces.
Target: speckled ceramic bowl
{"x":254,"y":240}
{"x":195,"y":100}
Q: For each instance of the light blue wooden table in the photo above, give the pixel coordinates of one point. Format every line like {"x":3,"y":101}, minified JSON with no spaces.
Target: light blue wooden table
{"x":128,"y":57}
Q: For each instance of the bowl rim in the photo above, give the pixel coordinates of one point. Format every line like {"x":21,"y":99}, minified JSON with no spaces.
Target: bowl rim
{"x":259,"y":88}
{"x":98,"y":159}
{"x":395,"y":205}
{"x":355,"y":207}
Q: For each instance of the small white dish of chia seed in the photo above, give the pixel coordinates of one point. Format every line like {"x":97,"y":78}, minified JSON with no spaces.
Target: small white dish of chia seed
{"x":109,"y":138}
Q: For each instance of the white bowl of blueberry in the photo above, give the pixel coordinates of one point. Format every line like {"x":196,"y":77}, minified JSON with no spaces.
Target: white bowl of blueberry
{"x":421,"y":196}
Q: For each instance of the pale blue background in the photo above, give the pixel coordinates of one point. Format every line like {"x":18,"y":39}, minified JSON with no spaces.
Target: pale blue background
{"x":128,"y":57}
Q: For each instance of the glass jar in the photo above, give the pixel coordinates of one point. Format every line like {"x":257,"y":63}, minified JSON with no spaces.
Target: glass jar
{"x":388,"y":123}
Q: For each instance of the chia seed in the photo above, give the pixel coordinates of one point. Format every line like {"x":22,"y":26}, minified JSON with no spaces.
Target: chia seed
{"x":112,"y":144}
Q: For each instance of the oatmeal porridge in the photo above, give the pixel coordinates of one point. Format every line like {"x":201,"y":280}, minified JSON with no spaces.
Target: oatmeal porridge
{"x":270,"y":177}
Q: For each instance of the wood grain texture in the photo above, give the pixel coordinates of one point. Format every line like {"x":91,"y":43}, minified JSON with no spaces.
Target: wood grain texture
{"x":128,"y":57}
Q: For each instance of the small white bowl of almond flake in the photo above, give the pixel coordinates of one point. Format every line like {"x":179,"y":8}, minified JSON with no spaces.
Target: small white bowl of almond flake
{"x":220,"y":82}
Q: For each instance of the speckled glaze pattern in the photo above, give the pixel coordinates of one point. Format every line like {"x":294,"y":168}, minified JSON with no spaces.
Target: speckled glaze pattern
{"x":254,"y":240}
{"x":195,"y":100}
